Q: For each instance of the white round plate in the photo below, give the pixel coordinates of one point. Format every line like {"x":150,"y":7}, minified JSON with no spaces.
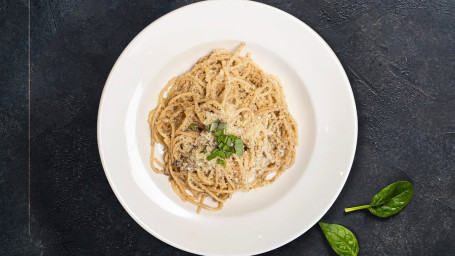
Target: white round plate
{"x":319,"y":97}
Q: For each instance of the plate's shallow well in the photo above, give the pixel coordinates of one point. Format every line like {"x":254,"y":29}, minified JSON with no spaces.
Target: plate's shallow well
{"x":318,"y":95}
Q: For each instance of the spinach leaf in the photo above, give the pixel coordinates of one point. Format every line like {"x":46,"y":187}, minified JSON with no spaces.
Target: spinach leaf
{"x":341,"y":239}
{"x":389,"y":201}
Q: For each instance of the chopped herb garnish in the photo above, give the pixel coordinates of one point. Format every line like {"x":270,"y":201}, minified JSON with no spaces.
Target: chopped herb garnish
{"x":221,"y":161}
{"x":226,"y":147}
{"x":221,"y":138}
{"x":238,"y":145}
{"x":219,"y":132}
{"x":222,"y":154}
{"x":204,"y":150}
{"x":192,"y":127}
{"x":213,"y":126}
{"x":221,"y":126}
{"x":212,"y":156}
{"x":227,"y":144}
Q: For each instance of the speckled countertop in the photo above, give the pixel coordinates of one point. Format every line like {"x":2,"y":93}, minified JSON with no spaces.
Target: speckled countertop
{"x":56,"y":55}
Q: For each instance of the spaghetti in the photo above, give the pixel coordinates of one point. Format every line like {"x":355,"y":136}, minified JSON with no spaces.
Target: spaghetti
{"x":222,"y":87}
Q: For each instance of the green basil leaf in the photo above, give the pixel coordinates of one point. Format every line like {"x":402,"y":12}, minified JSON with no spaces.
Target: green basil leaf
{"x":221,"y":126}
{"x":228,"y":154}
{"x":219,"y":132}
{"x":212,"y":156}
{"x":213,"y":126}
{"x":221,"y":161}
{"x":390,"y":200}
{"x":220,"y":138}
{"x":227,"y":144}
{"x":226,"y":148}
{"x":222,"y":154}
{"x":238,"y":146}
{"x":341,"y":239}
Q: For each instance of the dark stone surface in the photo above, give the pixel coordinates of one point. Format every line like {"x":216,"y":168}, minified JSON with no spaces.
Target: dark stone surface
{"x":14,"y":127}
{"x":399,"y":57}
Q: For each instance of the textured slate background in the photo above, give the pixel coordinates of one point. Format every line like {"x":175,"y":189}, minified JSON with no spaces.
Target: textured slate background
{"x":399,"y":57}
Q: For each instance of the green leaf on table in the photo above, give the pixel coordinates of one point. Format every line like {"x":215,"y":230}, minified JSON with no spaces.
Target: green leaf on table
{"x":389,"y":201}
{"x":341,"y":239}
